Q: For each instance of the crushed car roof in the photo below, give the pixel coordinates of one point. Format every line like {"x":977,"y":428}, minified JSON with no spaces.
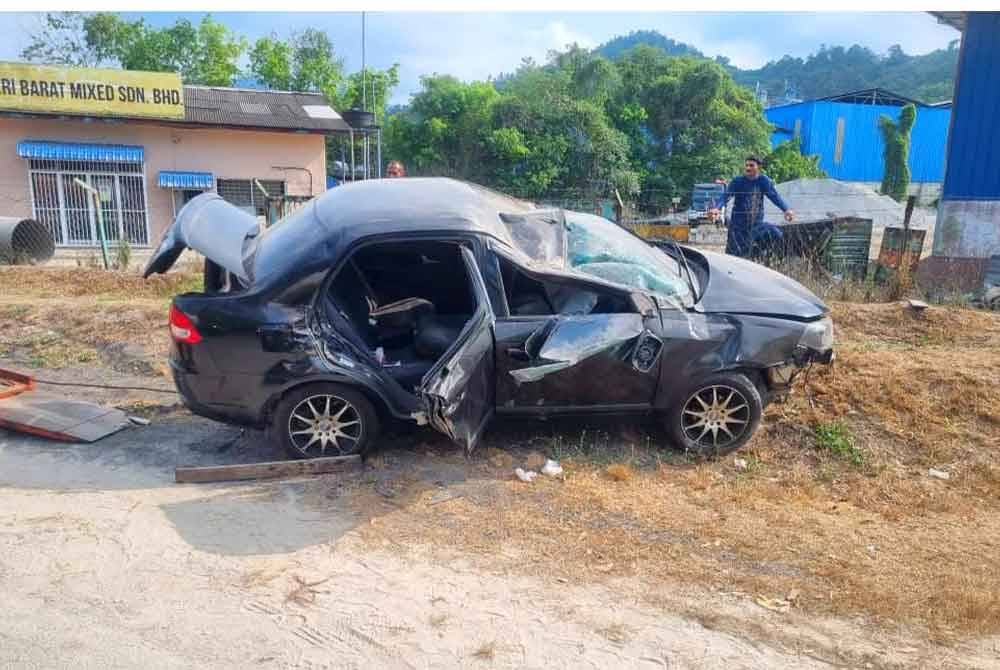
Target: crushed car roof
{"x":306,"y":244}
{"x":309,"y":238}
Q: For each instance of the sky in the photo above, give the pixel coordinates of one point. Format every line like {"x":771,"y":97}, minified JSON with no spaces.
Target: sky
{"x":477,"y":45}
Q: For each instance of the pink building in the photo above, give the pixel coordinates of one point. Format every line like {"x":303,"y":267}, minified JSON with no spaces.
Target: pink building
{"x":261,"y":150}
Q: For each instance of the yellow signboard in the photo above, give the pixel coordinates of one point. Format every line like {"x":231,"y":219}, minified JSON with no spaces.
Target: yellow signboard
{"x":90,"y":91}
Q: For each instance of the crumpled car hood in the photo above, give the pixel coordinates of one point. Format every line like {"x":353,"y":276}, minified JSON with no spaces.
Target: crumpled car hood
{"x":740,"y":286}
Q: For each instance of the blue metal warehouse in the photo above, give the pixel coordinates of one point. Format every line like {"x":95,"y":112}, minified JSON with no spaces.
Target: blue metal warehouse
{"x":843,"y":130}
{"x":968,"y":224}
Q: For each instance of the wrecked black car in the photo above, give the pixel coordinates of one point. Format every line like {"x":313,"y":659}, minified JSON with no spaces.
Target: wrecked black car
{"x":444,"y":303}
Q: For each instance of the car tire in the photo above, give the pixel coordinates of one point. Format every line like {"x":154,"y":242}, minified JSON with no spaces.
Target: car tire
{"x":719,"y":404}
{"x":324,"y":420}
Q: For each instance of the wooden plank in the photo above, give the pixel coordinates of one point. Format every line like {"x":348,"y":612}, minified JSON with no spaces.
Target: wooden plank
{"x":189,"y":474}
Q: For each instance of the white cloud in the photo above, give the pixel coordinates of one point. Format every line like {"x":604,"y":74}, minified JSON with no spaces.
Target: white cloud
{"x":557,"y":35}
{"x":473,"y":46}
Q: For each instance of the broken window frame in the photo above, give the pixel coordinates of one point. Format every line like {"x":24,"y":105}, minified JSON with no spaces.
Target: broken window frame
{"x":581,"y":280}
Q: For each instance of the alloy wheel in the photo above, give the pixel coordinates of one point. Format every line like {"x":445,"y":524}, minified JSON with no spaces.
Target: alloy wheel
{"x":325,"y":421}
{"x":716,"y":416}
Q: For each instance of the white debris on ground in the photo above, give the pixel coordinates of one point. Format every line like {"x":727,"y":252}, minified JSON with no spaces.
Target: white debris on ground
{"x":938,"y":474}
{"x":552,"y":468}
{"x":526,"y":476}
{"x":817,"y":199}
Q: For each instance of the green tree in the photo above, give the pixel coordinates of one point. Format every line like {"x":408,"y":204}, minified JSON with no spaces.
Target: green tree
{"x":271,"y":63}
{"x":377,"y":87}
{"x":304,"y":62}
{"x":896,"y":136}
{"x":208,"y":53}
{"x":581,"y":126}
{"x":567,"y":147}
{"x":699,"y":124}
{"x":444,"y":130}
{"x":316,"y":67}
{"x":787,"y":162}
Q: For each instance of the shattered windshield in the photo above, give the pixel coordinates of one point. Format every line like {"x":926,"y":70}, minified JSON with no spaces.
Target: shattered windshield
{"x":600,"y":248}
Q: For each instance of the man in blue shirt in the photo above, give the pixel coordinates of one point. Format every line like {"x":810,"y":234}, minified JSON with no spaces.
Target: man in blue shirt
{"x":748,"y":234}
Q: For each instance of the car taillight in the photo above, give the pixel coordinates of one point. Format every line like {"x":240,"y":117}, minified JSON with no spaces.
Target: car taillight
{"x":182,"y":328}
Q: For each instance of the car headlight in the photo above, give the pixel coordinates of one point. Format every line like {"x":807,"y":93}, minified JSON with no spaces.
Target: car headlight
{"x":818,"y":335}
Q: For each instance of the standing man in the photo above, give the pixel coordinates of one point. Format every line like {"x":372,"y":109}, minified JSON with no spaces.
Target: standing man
{"x":395,"y":169}
{"x":747,"y":231}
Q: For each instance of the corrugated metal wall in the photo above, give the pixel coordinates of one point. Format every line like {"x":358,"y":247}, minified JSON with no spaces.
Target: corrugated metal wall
{"x":785,"y":119}
{"x":861,"y":146}
{"x":974,"y":151}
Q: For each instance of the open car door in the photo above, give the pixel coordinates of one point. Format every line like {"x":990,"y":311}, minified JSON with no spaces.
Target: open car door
{"x":458,"y":392}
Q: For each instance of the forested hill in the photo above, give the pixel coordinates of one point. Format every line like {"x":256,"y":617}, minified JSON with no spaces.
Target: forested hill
{"x":616,"y":46}
{"x":831,"y":70}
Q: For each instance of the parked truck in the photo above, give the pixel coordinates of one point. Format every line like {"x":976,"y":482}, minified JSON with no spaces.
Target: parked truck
{"x":703,"y":198}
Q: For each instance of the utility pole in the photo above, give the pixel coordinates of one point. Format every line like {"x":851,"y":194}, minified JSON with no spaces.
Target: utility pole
{"x":364,"y":92}
{"x":364,"y":88}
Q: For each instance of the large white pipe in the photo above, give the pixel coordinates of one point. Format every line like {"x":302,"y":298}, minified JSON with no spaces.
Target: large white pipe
{"x":25,"y":240}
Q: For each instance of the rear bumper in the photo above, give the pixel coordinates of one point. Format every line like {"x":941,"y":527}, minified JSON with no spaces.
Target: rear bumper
{"x":196,"y":392}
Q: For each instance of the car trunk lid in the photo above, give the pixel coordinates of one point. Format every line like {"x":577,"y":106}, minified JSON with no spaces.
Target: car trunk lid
{"x":218,"y":230}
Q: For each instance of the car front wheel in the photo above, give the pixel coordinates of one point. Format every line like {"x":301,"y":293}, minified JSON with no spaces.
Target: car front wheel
{"x":324,"y":420}
{"x":717,"y":415}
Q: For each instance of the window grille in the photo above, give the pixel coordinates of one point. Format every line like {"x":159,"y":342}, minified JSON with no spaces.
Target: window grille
{"x":69,"y":211}
{"x":246,"y":194}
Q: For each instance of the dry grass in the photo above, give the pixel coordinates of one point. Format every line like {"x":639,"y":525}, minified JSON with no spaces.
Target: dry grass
{"x":258,"y":578}
{"x":845,"y":518}
{"x":55,"y":333}
{"x":44,"y":282}
{"x":619,"y":472}
{"x":617,"y":633}
{"x":304,"y":593}
{"x":487,"y":651}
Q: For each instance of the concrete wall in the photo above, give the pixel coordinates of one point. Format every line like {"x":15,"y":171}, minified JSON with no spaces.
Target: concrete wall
{"x":228,"y":154}
{"x":967,"y":228}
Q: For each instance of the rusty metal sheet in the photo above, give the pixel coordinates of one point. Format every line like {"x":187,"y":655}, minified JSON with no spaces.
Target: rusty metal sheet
{"x":25,"y":410}
{"x":12,"y":383}
{"x":900,"y":246}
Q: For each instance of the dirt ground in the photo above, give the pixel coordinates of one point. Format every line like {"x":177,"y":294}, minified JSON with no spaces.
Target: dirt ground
{"x":828,"y":544}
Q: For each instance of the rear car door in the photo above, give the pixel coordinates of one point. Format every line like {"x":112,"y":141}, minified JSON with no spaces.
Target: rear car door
{"x":458,"y":392}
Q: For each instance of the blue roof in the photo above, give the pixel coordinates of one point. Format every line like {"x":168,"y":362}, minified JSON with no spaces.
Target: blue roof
{"x":190,"y":180}
{"x":75,"y":151}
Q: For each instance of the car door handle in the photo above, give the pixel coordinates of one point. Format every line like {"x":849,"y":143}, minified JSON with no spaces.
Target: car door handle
{"x":518,"y":354}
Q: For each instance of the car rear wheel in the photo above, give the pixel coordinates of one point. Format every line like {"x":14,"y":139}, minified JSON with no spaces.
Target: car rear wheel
{"x":324,"y":420}
{"x":716,"y":416}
